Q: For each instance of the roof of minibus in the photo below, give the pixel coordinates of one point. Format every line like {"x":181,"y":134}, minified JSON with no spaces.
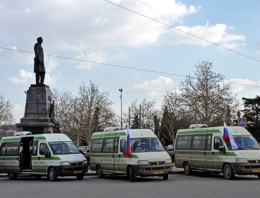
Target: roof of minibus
{"x":47,"y":137}
{"x":234,"y":130}
{"x":134,"y":133}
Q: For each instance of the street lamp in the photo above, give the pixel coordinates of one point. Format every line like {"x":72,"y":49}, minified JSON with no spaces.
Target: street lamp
{"x":121,"y":90}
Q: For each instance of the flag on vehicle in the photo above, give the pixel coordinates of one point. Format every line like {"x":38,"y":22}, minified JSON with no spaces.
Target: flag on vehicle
{"x":127,"y":150}
{"x":228,"y":137}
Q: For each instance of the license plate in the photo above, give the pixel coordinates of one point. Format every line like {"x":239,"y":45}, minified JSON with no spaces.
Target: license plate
{"x":77,"y":171}
{"x":256,"y":170}
{"x":157,"y":172}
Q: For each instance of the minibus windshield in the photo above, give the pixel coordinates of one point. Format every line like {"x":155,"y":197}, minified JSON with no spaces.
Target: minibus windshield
{"x":146,"y":145}
{"x":63,"y":148}
{"x":247,"y":142}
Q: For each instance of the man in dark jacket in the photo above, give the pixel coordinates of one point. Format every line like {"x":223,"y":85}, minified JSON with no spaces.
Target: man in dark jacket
{"x":39,"y":68}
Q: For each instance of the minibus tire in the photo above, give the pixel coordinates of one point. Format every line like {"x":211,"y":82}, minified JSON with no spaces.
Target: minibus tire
{"x":12,"y":176}
{"x":100,"y":172}
{"x":166,"y":177}
{"x":228,"y":172}
{"x":52,"y":174}
{"x":187,"y":168}
{"x":131,"y":174}
{"x":81,"y":176}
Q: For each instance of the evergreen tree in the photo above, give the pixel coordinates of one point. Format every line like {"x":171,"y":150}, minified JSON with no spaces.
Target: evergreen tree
{"x":252,"y":113}
{"x":135,"y":122}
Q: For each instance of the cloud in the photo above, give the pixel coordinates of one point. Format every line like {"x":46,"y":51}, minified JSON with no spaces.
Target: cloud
{"x":154,"y":87}
{"x":18,"y":112}
{"x":51,"y":65}
{"x":240,"y":84}
{"x":97,"y":57}
{"x":218,"y":33}
{"x":80,"y":25}
{"x":26,"y":77}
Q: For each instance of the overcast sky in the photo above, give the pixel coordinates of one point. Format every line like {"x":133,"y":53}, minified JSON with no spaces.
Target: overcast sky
{"x":98,"y":31}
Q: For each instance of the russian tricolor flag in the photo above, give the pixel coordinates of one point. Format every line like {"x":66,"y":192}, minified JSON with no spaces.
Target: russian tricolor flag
{"x":127,"y":150}
{"x":228,"y":137}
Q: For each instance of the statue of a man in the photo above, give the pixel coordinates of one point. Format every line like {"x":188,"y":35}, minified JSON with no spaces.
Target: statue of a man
{"x":39,"y":68}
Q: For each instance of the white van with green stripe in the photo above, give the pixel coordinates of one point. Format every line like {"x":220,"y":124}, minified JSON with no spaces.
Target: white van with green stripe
{"x":50,"y":155}
{"x":147,"y":158}
{"x":203,"y":149}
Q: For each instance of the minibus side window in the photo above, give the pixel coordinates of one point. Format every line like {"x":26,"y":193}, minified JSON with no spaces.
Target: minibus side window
{"x":122,"y":145}
{"x":115,"y":148}
{"x":2,"y":149}
{"x":199,"y":142}
{"x":43,"y":148}
{"x":12,"y":148}
{"x":96,"y":145}
{"x":183,"y":142}
{"x":217,"y":143}
{"x":34,"y":147}
{"x":208,"y":146}
{"x":108,"y":145}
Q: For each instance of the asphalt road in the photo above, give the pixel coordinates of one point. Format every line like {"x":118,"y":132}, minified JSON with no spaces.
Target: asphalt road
{"x":178,"y":186}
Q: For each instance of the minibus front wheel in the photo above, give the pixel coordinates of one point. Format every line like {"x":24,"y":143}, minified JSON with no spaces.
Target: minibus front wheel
{"x":52,"y":174}
{"x":131,"y":173}
{"x":166,"y":177}
{"x":12,"y":176}
{"x":228,"y":172}
{"x":100,"y":172}
{"x":187,"y":168}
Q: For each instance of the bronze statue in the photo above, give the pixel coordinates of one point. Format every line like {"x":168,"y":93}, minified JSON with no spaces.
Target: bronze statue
{"x":39,"y":68}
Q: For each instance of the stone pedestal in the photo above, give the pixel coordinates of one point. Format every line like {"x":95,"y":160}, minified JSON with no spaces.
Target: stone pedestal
{"x":37,"y":111}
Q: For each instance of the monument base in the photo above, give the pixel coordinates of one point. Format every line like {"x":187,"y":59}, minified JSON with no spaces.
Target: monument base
{"x":37,"y":111}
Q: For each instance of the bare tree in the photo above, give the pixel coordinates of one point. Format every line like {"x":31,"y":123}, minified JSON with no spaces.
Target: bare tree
{"x":144,"y":111}
{"x":65,"y":108}
{"x":6,"y":116}
{"x":175,"y":115}
{"x":84,"y":114}
{"x":206,"y":96}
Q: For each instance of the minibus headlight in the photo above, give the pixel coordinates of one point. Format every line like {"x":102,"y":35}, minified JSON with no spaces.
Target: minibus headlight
{"x":142,"y":162}
{"x":65,"y":163}
{"x":85,"y":162}
{"x":168,"y":161}
{"x":241,"y":160}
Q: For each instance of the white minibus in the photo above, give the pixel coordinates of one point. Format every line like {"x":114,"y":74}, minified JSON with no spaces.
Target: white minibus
{"x":50,"y":155}
{"x":203,"y":149}
{"x":148,"y":157}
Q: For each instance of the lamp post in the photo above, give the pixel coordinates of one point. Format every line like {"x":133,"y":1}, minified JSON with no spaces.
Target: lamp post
{"x":121,"y":90}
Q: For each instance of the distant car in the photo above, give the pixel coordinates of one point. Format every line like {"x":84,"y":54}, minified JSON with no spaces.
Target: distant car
{"x":170,"y":147}
{"x":84,"y":149}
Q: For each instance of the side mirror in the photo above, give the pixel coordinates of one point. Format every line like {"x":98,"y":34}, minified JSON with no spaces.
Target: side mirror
{"x":47,"y":154}
{"x":222,"y":149}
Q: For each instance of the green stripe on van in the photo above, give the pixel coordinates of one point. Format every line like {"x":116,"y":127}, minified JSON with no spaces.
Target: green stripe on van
{"x":199,"y":132}
{"x":115,"y":155}
{"x":116,"y":134}
{"x":11,"y":140}
{"x":47,"y":158}
{"x":39,"y":138}
{"x":229,"y":153}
